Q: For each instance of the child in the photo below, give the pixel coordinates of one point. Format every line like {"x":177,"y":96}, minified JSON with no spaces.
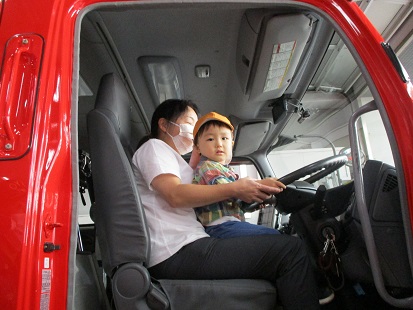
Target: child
{"x":213,"y":139}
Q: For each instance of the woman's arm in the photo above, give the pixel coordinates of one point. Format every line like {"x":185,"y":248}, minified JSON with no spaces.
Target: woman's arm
{"x":180,"y":195}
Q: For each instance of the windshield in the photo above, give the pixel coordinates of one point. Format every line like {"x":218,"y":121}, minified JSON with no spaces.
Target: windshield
{"x":336,"y":91}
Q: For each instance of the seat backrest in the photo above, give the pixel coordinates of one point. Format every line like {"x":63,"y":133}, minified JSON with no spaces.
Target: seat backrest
{"x":118,"y":214}
{"x":383,"y":202}
{"x":114,"y":101}
{"x":385,"y":216}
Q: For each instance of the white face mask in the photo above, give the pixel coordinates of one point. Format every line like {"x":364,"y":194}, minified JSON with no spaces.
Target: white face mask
{"x":184,"y":140}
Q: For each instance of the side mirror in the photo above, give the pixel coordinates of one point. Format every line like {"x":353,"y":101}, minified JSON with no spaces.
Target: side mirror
{"x":347,"y":152}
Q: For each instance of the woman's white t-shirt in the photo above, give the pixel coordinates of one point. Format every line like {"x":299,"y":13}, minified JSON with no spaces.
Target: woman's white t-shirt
{"x":170,"y":228}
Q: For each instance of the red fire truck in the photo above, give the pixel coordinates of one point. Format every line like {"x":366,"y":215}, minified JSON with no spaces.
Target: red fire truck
{"x":311,"y":87}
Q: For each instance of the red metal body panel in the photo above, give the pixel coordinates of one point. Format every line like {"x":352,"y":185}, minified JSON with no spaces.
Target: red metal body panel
{"x":36,"y":189}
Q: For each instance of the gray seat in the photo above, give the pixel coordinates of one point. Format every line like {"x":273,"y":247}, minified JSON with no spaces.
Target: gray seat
{"x":385,"y":216}
{"x":122,"y":232}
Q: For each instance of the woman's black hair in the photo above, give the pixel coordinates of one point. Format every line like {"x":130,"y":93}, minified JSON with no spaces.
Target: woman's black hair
{"x":170,"y":110}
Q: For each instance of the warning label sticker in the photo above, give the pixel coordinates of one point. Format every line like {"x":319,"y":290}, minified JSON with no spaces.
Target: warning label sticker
{"x":44,"y":301}
{"x":46,"y":280}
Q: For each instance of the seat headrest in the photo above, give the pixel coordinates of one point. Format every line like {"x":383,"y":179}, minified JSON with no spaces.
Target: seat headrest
{"x":113,"y":100}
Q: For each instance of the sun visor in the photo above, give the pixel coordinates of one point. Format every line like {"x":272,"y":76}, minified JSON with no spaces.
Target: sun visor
{"x":248,"y":36}
{"x":249,"y":137}
{"x":276,"y":58}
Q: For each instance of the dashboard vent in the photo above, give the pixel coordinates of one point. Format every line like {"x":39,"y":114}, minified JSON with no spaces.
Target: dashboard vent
{"x":390,"y":183}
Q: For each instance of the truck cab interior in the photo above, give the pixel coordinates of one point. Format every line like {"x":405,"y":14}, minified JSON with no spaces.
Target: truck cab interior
{"x":305,"y":110}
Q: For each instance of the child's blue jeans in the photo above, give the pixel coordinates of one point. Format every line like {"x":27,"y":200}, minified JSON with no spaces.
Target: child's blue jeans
{"x":233,"y":229}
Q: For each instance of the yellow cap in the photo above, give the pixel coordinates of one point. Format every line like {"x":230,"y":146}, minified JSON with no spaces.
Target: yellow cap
{"x":211,"y":116}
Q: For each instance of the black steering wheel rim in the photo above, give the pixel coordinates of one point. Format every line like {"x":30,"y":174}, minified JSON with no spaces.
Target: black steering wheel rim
{"x":324,"y":166}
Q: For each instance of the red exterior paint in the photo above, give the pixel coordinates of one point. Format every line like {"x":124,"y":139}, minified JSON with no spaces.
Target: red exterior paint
{"x":36,"y":189}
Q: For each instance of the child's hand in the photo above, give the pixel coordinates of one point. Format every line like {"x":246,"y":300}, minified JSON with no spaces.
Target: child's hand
{"x":195,"y":158}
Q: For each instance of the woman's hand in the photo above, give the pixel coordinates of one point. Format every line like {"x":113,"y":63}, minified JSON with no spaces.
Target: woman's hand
{"x":272,"y":182}
{"x":250,"y":190}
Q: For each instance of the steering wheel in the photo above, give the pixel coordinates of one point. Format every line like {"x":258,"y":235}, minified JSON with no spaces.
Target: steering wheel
{"x":323,"y":167}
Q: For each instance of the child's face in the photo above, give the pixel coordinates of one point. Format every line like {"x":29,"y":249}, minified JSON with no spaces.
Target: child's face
{"x":215,"y":143}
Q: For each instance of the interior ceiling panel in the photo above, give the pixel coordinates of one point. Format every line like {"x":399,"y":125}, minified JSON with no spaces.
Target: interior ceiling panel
{"x":218,"y":41}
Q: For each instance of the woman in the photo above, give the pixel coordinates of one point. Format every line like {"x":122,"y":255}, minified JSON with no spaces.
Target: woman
{"x":179,"y":244}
